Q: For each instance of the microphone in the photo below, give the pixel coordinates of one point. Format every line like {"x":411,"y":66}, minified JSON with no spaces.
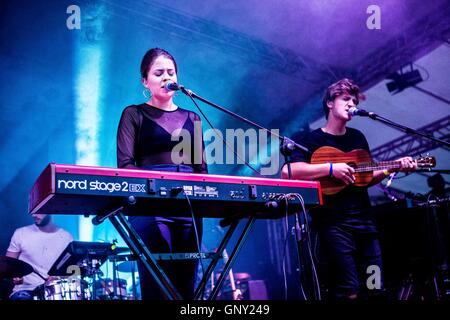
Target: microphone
{"x":354,"y":111}
{"x":173,"y":86}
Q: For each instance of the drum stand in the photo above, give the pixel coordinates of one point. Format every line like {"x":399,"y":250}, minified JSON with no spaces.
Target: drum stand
{"x":133,"y":274}
{"x":90,"y":268}
{"x":133,"y":280}
{"x":117,"y":293}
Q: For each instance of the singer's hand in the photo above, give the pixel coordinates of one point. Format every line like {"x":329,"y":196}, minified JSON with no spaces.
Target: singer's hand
{"x":17,"y":280}
{"x":344,"y":172}
{"x":408,"y":164}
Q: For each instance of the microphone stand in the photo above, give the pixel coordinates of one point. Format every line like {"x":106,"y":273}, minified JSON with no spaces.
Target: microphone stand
{"x":287,"y":146}
{"x":405,"y":129}
{"x":292,"y":144}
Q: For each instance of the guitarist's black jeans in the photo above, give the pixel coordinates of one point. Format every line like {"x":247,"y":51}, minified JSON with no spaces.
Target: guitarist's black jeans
{"x":355,"y":264}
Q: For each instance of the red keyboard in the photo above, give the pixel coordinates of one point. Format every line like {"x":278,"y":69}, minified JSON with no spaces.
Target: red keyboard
{"x":86,"y":190}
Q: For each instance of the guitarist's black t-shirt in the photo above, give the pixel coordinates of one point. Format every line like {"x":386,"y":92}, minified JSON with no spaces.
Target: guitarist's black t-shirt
{"x":351,"y":206}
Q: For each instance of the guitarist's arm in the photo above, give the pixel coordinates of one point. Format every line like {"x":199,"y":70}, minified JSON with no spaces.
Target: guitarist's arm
{"x":307,"y":171}
{"x":407,"y":164}
{"x":379,"y":176}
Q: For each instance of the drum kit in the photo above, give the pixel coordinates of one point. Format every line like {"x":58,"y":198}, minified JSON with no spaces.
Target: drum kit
{"x":76,"y":274}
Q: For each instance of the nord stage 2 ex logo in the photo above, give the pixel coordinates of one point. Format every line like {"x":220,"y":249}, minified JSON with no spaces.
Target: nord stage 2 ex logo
{"x":70,"y":183}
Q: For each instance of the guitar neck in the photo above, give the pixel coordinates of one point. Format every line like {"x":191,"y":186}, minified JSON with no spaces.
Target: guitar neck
{"x":374,"y":166}
{"x":361,"y":161}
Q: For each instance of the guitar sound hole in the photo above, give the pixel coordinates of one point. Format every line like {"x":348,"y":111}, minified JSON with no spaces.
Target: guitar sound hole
{"x":352,"y":164}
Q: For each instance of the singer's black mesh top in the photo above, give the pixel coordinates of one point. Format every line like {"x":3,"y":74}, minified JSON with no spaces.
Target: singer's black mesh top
{"x":351,"y":206}
{"x":145,"y":135}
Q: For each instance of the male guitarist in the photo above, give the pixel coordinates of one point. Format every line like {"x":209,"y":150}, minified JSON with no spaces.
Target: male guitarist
{"x":344,"y":223}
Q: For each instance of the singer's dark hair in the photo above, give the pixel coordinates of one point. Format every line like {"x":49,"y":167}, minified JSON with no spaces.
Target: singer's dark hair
{"x":150,"y":56}
{"x":343,"y":86}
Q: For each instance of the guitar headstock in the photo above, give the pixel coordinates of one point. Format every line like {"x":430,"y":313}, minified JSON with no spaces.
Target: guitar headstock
{"x":426,"y":162}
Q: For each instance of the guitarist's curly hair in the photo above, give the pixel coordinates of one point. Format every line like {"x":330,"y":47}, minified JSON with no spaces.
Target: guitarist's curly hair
{"x":343,"y":86}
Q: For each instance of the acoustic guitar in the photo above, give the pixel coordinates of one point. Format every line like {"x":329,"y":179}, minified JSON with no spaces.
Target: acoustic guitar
{"x":359,"y":160}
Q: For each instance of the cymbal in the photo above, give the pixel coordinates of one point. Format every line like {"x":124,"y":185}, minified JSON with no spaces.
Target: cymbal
{"x":126,"y":266}
{"x":11,"y":267}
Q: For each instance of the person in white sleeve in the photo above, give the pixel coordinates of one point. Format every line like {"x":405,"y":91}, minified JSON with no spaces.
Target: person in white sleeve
{"x":39,"y":245}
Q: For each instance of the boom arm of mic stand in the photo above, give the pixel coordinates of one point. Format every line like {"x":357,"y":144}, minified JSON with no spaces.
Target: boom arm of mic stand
{"x":194,"y":95}
{"x":287,"y":147}
{"x":408,"y":130}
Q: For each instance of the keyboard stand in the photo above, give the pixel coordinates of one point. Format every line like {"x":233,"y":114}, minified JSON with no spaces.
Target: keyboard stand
{"x":229,"y":264}
{"x":140,"y":250}
{"x":137,"y":246}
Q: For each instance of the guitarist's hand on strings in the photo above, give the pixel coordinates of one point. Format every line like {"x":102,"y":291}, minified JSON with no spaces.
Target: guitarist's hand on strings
{"x":407,"y":164}
{"x":344,"y":172}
